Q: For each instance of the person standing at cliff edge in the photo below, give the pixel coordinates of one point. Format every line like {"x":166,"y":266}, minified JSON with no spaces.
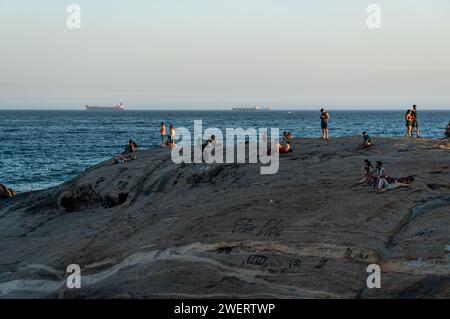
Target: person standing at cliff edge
{"x":415,"y":121}
{"x":172,"y":136}
{"x":162,"y":131}
{"x":324,"y":117}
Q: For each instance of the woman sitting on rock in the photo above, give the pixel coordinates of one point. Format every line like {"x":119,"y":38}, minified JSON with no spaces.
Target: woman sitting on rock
{"x":408,"y":120}
{"x":366,"y":172}
{"x":129,"y":153}
{"x":282,"y":148}
{"x":384,"y":185}
{"x":131,"y":147}
{"x":286,"y":148}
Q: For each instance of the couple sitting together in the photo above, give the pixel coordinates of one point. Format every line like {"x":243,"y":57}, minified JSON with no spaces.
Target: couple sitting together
{"x":379,"y":179}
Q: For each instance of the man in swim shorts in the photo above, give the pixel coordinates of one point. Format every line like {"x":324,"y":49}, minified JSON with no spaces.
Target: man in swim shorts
{"x":415,"y":121}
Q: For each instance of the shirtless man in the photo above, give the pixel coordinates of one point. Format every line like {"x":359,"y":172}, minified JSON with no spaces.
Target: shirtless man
{"x":415,"y":121}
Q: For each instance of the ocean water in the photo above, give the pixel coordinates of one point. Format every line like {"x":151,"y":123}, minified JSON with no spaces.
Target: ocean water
{"x":39,"y":149}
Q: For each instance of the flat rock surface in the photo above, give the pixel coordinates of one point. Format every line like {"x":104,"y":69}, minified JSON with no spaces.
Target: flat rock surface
{"x":150,"y":228}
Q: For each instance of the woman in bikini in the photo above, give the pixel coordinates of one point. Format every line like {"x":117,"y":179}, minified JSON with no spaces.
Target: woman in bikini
{"x":409,"y":120}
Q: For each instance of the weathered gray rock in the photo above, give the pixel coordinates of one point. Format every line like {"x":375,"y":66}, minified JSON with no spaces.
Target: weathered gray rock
{"x":151,"y":228}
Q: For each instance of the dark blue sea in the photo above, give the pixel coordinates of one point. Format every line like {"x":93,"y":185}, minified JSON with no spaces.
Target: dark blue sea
{"x":39,"y":149}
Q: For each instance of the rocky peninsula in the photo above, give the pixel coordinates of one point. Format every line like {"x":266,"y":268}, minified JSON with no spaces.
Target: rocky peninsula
{"x":150,"y":228}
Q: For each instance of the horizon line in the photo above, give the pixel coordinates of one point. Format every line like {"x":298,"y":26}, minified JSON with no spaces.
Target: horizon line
{"x":227,"y":108}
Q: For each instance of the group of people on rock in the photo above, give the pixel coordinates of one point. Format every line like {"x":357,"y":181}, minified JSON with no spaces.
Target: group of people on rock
{"x":378,"y":178}
{"x":167,"y":140}
{"x":411,"y":119}
{"x":168,"y":136}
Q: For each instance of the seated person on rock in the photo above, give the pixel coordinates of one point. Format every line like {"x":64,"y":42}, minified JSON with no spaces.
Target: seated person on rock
{"x":367,"y":172}
{"x":367,"y":141}
{"x":286,"y":148}
{"x":282,"y":148}
{"x":447,"y":130}
{"x":131,"y":147}
{"x":288,"y":138}
{"x":384,"y":185}
{"x":128,"y":154}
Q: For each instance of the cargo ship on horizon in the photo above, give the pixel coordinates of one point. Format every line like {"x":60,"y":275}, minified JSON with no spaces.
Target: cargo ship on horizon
{"x":251,"y":108}
{"x":118,"y":107}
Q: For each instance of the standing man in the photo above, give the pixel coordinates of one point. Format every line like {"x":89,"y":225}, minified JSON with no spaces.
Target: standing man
{"x":415,"y":121}
{"x":324,"y":117}
{"x":162,"y":130}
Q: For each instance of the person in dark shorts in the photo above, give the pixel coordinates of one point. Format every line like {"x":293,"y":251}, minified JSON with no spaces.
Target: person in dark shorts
{"x":415,"y":121}
{"x":324,"y":117}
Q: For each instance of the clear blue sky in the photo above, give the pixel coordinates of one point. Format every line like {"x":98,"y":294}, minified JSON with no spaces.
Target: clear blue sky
{"x":220,"y":53}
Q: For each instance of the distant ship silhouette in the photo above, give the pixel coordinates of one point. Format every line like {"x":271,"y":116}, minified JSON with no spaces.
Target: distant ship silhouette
{"x":118,"y":107}
{"x":251,"y":108}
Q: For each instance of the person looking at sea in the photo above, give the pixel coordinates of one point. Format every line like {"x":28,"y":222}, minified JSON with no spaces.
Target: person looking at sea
{"x":408,"y":120}
{"x":324,"y":117}
{"x":367,"y":141}
{"x":415,"y":121}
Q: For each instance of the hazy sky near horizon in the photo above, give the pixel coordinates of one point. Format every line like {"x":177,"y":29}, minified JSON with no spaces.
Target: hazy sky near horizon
{"x":216,"y":53}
